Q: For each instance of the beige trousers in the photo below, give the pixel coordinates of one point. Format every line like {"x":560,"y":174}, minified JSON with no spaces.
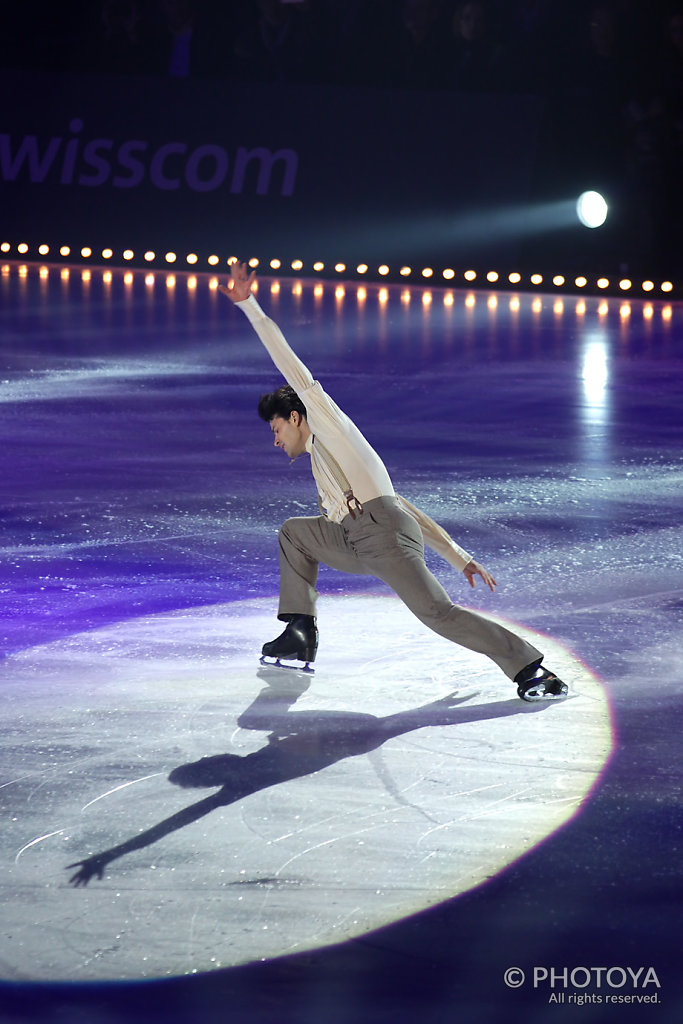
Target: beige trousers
{"x":386,"y":542}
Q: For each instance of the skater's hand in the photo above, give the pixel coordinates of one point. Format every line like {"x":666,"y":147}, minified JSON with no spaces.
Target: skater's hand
{"x":239,"y":286}
{"x":473,"y":569}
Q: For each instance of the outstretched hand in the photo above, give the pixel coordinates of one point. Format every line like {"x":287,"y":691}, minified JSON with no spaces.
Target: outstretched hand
{"x":239,"y":284}
{"x":473,"y":569}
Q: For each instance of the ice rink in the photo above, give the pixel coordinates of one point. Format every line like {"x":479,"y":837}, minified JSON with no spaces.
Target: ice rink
{"x":383,"y":839}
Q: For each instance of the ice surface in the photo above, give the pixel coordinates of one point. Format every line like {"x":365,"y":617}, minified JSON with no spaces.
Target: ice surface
{"x":306,"y":809}
{"x":140,"y":499}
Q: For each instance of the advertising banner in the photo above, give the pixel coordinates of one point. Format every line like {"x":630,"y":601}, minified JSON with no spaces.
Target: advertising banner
{"x":314,"y":173}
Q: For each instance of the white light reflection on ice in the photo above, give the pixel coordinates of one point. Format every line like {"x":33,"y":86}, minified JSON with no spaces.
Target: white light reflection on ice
{"x":595,"y":401}
{"x":595,"y":368}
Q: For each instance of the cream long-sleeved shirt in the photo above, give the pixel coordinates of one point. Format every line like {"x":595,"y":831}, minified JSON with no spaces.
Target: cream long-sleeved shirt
{"x":334,"y":434}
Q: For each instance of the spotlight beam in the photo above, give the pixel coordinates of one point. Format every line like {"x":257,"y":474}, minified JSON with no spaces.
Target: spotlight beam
{"x":413,"y":237}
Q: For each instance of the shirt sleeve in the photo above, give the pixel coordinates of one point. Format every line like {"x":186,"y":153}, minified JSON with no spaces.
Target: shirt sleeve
{"x":436,"y":538}
{"x":350,"y":460}
{"x":285,"y":359}
{"x":325,"y":417}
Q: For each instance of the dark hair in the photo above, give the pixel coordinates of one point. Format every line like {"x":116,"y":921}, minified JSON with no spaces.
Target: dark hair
{"x":282,"y":403}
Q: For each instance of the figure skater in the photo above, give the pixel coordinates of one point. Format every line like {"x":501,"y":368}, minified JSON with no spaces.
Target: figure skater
{"x":364,"y":527}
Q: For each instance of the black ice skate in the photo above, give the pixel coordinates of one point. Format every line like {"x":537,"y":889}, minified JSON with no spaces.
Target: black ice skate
{"x":299,"y":642}
{"x":537,"y":683}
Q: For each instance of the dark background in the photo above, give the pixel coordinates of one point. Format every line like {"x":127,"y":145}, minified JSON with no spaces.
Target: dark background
{"x":427,"y":129}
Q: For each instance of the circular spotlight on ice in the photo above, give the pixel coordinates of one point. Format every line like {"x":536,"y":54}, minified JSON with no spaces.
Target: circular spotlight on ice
{"x":591,"y":209}
{"x":280,"y":812}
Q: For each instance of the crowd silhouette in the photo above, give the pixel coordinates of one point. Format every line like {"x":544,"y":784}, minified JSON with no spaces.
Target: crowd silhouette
{"x":615,"y":49}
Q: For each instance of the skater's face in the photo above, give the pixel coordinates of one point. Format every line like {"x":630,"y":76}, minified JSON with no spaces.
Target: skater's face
{"x":290,"y":434}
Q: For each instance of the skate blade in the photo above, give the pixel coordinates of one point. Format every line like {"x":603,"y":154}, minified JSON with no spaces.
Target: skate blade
{"x":537,"y":693}
{"x":276,"y":663}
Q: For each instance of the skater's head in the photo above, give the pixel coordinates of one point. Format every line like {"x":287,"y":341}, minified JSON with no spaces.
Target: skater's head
{"x":282,"y":403}
{"x":284,"y":411}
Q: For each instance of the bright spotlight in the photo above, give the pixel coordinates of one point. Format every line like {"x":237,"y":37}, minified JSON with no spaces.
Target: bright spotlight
{"x":591,"y":209}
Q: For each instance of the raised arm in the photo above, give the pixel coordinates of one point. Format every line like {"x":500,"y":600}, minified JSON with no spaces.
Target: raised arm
{"x":239,"y":290}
